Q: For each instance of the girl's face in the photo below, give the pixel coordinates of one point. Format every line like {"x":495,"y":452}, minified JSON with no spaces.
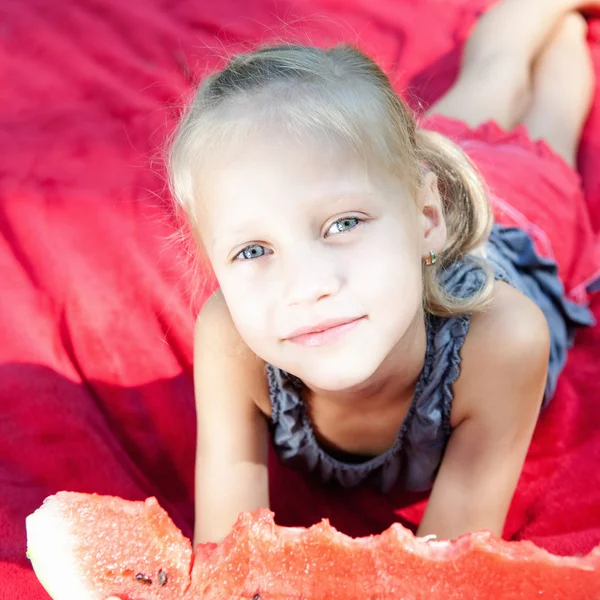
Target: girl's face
{"x":303,"y":237}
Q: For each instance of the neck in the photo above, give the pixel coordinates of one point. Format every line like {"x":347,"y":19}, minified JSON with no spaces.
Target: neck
{"x":395,"y":379}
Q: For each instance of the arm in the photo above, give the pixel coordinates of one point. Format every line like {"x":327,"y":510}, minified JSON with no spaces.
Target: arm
{"x":497,"y":402}
{"x":232,"y":442}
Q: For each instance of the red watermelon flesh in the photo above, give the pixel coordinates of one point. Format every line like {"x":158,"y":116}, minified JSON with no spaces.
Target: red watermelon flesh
{"x":91,"y":547}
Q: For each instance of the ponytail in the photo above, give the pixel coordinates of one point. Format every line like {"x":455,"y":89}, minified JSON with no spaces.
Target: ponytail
{"x":468,"y":218}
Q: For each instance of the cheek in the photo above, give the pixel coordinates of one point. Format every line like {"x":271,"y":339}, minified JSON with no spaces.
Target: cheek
{"x":394,"y":293}
{"x":249,"y":307}
{"x":388,"y":271}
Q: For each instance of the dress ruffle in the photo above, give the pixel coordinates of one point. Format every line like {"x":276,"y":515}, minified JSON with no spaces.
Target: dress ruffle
{"x":296,"y":444}
{"x":511,"y":252}
{"x":492,"y":134}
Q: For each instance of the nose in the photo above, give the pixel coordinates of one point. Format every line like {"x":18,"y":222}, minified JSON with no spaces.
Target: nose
{"x":310,"y":275}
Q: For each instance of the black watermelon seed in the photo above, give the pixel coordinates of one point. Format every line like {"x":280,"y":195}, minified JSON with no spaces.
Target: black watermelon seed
{"x":143,"y":579}
{"x":162,"y":578}
{"x":256,"y":597}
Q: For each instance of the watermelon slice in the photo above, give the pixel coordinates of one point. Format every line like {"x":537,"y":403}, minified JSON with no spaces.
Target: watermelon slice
{"x":92,"y":547}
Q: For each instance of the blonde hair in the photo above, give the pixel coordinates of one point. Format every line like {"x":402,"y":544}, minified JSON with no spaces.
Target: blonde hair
{"x":343,"y":92}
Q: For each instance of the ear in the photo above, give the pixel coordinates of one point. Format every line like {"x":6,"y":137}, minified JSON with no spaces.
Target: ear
{"x":431,"y":215}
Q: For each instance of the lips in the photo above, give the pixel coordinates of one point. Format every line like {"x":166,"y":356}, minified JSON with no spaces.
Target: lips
{"x":324,"y":332}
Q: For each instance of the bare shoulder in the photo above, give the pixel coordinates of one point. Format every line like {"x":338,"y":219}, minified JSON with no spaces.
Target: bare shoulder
{"x":507,"y":348}
{"x":511,"y":318}
{"x":215,"y":319}
{"x":219,"y":348}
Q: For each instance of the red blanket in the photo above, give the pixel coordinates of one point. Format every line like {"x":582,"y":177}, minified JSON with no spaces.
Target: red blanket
{"x":96,"y":314}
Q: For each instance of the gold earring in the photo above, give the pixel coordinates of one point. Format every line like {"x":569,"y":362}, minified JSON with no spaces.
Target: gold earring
{"x":431,"y":259}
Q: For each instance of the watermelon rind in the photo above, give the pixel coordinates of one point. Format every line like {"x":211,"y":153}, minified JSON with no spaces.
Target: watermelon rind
{"x":49,"y":549}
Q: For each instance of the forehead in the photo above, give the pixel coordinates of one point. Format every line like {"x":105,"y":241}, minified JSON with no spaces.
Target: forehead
{"x":272,"y":170}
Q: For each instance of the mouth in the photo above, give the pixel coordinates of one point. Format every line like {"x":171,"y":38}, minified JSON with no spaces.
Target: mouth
{"x":324,"y":333}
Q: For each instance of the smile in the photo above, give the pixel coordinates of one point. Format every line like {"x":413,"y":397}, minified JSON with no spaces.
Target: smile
{"x":325,"y":333}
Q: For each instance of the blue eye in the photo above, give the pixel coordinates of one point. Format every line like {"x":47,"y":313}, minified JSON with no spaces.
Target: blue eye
{"x":250,"y":252}
{"x":343,"y":225}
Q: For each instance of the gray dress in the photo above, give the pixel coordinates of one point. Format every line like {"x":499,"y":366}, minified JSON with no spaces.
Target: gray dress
{"x":414,"y":458}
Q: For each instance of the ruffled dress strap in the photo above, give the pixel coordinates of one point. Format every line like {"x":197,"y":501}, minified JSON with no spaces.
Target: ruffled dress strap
{"x":512,"y":254}
{"x":429,"y":428}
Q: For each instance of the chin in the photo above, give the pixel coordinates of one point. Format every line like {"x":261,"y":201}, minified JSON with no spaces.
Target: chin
{"x":340,"y":373}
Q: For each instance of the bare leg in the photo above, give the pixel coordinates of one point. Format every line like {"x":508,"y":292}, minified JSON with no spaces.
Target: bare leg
{"x":562,"y":88}
{"x":495,"y":76}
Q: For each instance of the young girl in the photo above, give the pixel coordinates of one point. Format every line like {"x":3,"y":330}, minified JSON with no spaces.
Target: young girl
{"x":371,"y":320}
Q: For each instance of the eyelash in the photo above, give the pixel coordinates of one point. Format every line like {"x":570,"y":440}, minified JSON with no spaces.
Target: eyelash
{"x":357,"y":219}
